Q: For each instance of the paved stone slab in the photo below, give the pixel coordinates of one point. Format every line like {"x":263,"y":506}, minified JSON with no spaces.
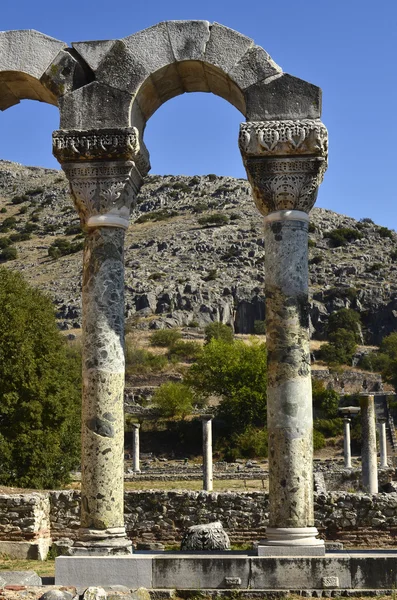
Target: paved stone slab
{"x":19,"y":578}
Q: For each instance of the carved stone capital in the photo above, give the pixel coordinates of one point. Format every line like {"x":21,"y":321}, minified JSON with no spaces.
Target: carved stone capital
{"x":285,"y":162}
{"x":105,"y":169}
{"x":104,"y":193}
{"x":283,"y":138}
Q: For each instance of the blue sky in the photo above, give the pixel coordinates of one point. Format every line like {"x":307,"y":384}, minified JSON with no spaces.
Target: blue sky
{"x":347,"y":47}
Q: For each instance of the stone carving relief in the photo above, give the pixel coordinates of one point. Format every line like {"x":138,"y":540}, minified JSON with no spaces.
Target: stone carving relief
{"x":307,"y":136}
{"x":105,"y":169}
{"x":211,"y":536}
{"x":285,"y":162}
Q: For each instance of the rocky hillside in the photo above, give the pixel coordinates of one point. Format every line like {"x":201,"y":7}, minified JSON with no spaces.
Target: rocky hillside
{"x":183,"y":271}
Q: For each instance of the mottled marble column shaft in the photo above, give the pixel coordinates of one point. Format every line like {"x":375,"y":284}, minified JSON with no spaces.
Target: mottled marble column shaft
{"x":346,"y":443}
{"x":207,"y":454}
{"x":368,"y":445}
{"x":102,"y":481}
{"x":289,"y":397}
{"x":135,"y":448}
{"x":383,"y":444}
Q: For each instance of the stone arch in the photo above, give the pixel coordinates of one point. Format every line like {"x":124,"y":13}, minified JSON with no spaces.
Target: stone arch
{"x":136,"y":75}
{"x":35,"y":66}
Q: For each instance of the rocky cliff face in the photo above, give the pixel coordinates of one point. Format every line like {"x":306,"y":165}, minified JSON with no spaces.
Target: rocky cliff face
{"x":182,"y":272}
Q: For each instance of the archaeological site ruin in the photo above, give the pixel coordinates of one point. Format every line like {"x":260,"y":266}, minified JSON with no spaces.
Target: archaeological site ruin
{"x":106,"y":91}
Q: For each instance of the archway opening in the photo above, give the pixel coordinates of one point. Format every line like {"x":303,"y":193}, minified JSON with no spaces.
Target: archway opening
{"x":195,"y":134}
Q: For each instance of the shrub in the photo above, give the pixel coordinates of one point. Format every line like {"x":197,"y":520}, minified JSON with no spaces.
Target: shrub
{"x":215,"y":220}
{"x":174,"y":399}
{"x":184,"y":350}
{"x":211,"y":275}
{"x":3,"y":210}
{"x":141,"y":362}
{"x":19,"y":199}
{"x":260,"y":327}
{"x":165,"y":338}
{"x":385,"y":232}
{"x":157,"y":215}
{"x":343,"y":236}
{"x":40,"y":390}
{"x":35,"y":191}
{"x":251,"y":443}
{"x":7,"y":224}
{"x":73,"y":230}
{"x":377,"y":266}
{"x":180,"y":185}
{"x":345,"y":318}
{"x":329,"y":427}
{"x":316,"y":260}
{"x":30,"y":227}
{"x":325,"y":401}
{"x":9,"y":253}
{"x":212,"y":177}
{"x":312,"y":227}
{"x":218,"y":331}
{"x":341,"y":348}
{"x":311,"y":243}
{"x":318,"y":440}
{"x":200,"y":207}
{"x":19,"y":237}
{"x":23,"y":210}
{"x":4,"y":242}
{"x":62,"y":247}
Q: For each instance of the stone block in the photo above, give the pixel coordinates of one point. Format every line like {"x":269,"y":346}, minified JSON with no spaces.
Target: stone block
{"x":285,"y":97}
{"x":58,"y":595}
{"x":19,"y":578}
{"x":28,"y":51}
{"x":264,"y":550}
{"x":132,"y":571}
{"x":7,"y":98}
{"x":188,"y":39}
{"x":256,"y":65}
{"x":33,"y":550}
{"x":226,"y":47}
{"x":64,"y":74}
{"x":95,"y":106}
{"x":167,"y":82}
{"x":93,"y":52}
{"x":330,"y":582}
{"x":193,"y":77}
{"x":199,"y":571}
{"x":297,"y":572}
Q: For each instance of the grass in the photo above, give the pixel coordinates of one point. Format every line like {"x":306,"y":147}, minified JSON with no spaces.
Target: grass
{"x":197,"y":485}
{"x":43,"y":568}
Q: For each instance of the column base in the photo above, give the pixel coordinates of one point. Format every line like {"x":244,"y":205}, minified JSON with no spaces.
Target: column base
{"x":291,"y":541}
{"x":102,"y":542}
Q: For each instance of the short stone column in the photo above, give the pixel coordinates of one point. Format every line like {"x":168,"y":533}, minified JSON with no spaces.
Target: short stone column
{"x":104,"y":169}
{"x":208,"y":480}
{"x":285,"y":163}
{"x":382,"y":443}
{"x":347,"y":443}
{"x":135,"y":448}
{"x":369,"y":458}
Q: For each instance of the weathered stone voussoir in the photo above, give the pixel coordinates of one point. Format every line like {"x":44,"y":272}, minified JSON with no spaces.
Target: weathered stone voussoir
{"x":25,"y":56}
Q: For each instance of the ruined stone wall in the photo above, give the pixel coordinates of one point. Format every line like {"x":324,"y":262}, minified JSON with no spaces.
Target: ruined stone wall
{"x":358,"y":520}
{"x":24,"y":517}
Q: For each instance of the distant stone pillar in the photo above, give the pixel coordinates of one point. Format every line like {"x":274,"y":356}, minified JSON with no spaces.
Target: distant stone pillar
{"x":135,"y":448}
{"x":347,"y":443}
{"x":285,"y":163}
{"x":208,"y":480}
{"x":105,"y":169}
{"x":368,"y":445}
{"x":383,"y":444}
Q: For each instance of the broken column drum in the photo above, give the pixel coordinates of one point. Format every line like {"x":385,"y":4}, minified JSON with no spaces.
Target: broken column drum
{"x":285,"y":163}
{"x":103,"y":192}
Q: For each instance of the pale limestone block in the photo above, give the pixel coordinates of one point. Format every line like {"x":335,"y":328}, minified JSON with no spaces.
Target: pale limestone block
{"x":28,"y":51}
{"x":285,"y":97}
{"x":168,"y":82}
{"x":193,"y":76}
{"x":64,"y":74}
{"x":148,"y":98}
{"x":95,"y":106}
{"x":188,"y":39}
{"x":226,"y":47}
{"x":93,"y":52}
{"x":254,"y":66}
{"x":95,"y":593}
{"x":7,"y":97}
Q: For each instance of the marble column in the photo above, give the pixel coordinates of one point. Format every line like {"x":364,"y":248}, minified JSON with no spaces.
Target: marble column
{"x":383,"y":444}
{"x":347,"y":443}
{"x":135,"y":448}
{"x":207,"y":453}
{"x":369,"y":458}
{"x":104,"y":169}
{"x":285,"y":163}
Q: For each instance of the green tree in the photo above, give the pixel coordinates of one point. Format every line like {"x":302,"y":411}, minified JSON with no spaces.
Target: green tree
{"x":174,"y":399}
{"x":236,"y":372}
{"x":219,"y":331}
{"x":341,"y":348}
{"x":40,"y":390}
{"x":345,"y":318}
{"x":324,"y":400}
